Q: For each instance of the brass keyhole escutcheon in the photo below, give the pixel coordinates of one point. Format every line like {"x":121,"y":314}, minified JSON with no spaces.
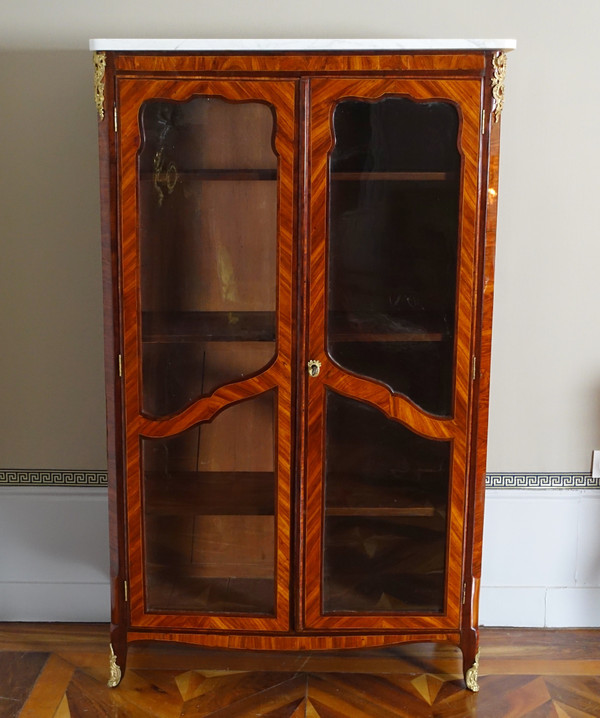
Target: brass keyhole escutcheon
{"x":314,"y":367}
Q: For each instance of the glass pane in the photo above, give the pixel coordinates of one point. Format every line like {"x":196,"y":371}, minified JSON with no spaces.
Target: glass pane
{"x":208,"y":247}
{"x":386,"y":500}
{"x":209,"y":513}
{"x":393,"y":242}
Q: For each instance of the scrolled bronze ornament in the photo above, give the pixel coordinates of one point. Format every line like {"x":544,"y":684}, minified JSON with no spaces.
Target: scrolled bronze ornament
{"x":499,"y":65}
{"x":115,"y":672}
{"x":99,"y":71}
{"x":472,"y":676}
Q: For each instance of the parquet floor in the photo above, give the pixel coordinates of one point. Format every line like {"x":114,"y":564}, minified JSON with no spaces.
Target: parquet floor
{"x":60,"y":671}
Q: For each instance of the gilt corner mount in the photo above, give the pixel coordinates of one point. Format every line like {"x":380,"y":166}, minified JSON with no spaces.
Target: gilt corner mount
{"x":499,"y":65}
{"x":99,"y":71}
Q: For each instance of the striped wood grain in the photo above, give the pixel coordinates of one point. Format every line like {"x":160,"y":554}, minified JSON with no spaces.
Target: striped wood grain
{"x":302,"y":63}
{"x":466,"y":95}
{"x":475,"y":480}
{"x":454,"y":76}
{"x":112,"y":350}
{"x":281,"y":96}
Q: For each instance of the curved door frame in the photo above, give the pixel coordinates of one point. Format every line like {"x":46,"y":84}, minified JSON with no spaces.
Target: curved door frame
{"x":281,"y":96}
{"x":325,"y":93}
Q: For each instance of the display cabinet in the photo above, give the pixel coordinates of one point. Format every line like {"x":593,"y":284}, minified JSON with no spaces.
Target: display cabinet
{"x":298,"y":269}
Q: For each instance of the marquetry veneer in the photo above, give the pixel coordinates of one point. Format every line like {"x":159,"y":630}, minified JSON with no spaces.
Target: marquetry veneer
{"x":298,"y":269}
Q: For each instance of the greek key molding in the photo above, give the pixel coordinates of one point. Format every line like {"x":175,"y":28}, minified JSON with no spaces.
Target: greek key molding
{"x":61,"y":477}
{"x":541,"y":481}
{"x":52,"y":477}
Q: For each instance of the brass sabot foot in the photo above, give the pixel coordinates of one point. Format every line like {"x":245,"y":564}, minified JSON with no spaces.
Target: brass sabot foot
{"x":115,"y":672}
{"x":472,"y":675}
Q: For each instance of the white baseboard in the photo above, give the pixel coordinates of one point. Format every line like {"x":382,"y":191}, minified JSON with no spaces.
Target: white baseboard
{"x":573,"y":607}
{"x":54,"y":554}
{"x":512,"y":606}
{"x":81,"y":602}
{"x":540,"y":557}
{"x":500,"y":606}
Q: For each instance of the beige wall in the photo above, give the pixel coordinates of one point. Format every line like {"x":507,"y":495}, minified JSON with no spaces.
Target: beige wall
{"x":51,"y":381}
{"x":545,"y":410}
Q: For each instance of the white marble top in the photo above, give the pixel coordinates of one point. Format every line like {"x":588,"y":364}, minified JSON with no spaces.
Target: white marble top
{"x":191,"y":45}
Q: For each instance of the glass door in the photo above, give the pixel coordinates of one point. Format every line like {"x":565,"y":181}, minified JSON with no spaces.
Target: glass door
{"x":206,"y":225}
{"x":391,"y":291}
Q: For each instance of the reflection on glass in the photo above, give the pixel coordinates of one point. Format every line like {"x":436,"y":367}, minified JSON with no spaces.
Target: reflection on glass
{"x":393,"y":242}
{"x":209,"y":513}
{"x":385,"y":526}
{"x":208,"y":247}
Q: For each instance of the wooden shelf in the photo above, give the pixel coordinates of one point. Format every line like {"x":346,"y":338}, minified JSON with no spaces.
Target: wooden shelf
{"x":381,"y":328}
{"x":213,"y":175}
{"x":375,"y":176}
{"x":378,"y":511}
{"x":210,"y":493}
{"x":351,"y":496}
{"x":192,"y":327}
{"x":390,"y":337}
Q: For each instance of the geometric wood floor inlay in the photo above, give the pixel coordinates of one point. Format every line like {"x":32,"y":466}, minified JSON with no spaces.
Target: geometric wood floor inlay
{"x":60,"y":671}
{"x":19,"y":670}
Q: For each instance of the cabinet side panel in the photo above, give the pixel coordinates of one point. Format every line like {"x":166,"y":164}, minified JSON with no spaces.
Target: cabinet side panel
{"x":486,"y":333}
{"x":483,"y":354}
{"x":108,"y":215}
